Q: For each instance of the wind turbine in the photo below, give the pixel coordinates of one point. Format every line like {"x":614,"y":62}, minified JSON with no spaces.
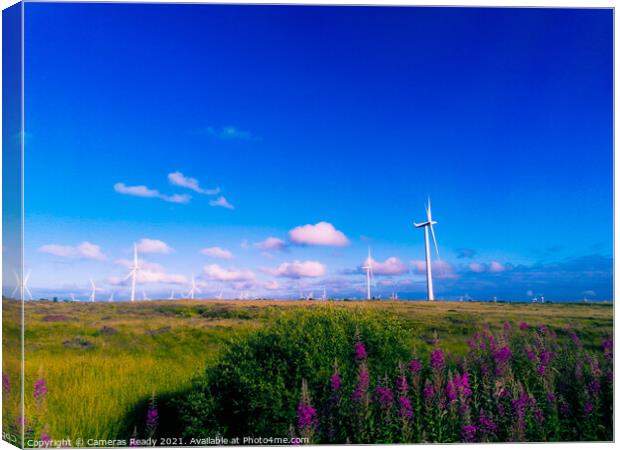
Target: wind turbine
{"x":93,"y":292}
{"x":72,"y":297}
{"x":111,"y":299}
{"x":324,"y":294}
{"x":23,"y":286}
{"x":426,"y":225}
{"x":144,"y":296}
{"x":193,"y":288}
{"x":221,"y":294}
{"x":133,"y":272}
{"x":368,"y":268}
{"x":171,"y":295}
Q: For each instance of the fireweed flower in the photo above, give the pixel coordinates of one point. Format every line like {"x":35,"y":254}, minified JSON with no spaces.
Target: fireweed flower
{"x":523,"y":326}
{"x":415,"y":366}
{"x":45,"y":439}
{"x":404,"y":407}
{"x":361,"y":390}
{"x":468,"y":433}
{"x":437,"y":359}
{"x":545,"y":357}
{"x":306,"y":414}
{"x":360,"y":351}
{"x":428,"y":392}
{"x":335,"y":382}
{"x":384,"y":397}
{"x":594,"y":387}
{"x":608,"y":349}
{"x":539,"y":416}
{"x":40,"y":389}
{"x":551,"y":397}
{"x":6,"y":383}
{"x":152,"y":416}
{"x":587,"y":408}
{"x":486,"y":425}
{"x":401,"y":384}
{"x":451,"y":391}
{"x":540,"y":370}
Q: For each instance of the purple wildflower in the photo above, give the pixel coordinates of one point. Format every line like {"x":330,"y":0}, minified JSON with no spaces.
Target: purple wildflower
{"x":594,"y":387}
{"x":451,"y":391}
{"x":415,"y":366}
{"x":306,"y":414}
{"x":523,"y":326}
{"x":152,"y":416}
{"x":335,"y":382}
{"x":486,"y":424}
{"x":405,"y":408}
{"x":45,"y":439}
{"x":6,"y":383}
{"x":551,"y":397}
{"x":531,"y":354}
{"x":539,"y":416}
{"x":428,"y":392}
{"x":540,"y":370}
{"x":469,"y":433}
{"x":545,"y":357}
{"x":360,"y":351}
{"x":503,"y":355}
{"x":385,"y":397}
{"x":587,"y":408}
{"x":362,"y":384}
{"x":401,"y":384}
{"x":40,"y":389}
{"x":437,"y":359}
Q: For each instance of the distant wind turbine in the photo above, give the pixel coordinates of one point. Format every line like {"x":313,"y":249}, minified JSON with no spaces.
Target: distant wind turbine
{"x":426,"y":225}
{"x":144,"y":296}
{"x":111,"y":299}
{"x":324,"y":297}
{"x":369,"y":274}
{"x":221,"y":294}
{"x":133,"y":272}
{"x":93,"y":291}
{"x":23,"y":286}
{"x":171,"y":295}
{"x":72,"y":297}
{"x":193,"y":288}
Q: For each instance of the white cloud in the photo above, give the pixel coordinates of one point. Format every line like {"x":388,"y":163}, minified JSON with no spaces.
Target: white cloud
{"x":146,"y":265}
{"x":221,"y":201}
{"x":391,"y":266}
{"x":85,"y":250}
{"x":477,"y":267}
{"x":322,"y":233}
{"x":153,"y":246}
{"x":298,"y":269}
{"x":217,"y":252}
{"x":496,"y":266}
{"x":149,"y":273}
{"x":216,"y":272}
{"x":441,"y":269}
{"x":178,"y":179}
{"x":272,"y":244}
{"x":143,"y":191}
{"x":229,"y":133}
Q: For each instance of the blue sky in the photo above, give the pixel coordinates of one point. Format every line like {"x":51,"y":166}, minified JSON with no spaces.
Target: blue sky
{"x":135,"y":114}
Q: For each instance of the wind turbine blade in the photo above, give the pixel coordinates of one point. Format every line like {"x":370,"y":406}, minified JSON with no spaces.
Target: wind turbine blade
{"x":129,"y":275}
{"x":14,"y":293}
{"x":434,"y":240}
{"x":428,"y":210}
{"x":26,"y":278}
{"x":27,"y":291}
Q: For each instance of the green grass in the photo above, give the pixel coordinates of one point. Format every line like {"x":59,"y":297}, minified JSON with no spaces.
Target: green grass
{"x":162,"y":346}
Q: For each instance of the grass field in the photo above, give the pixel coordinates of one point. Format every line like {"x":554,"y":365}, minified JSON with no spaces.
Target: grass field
{"x":100,"y":360}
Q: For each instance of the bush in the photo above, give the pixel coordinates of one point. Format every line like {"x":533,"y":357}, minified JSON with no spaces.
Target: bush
{"x":519,"y":384}
{"x":254,"y":388}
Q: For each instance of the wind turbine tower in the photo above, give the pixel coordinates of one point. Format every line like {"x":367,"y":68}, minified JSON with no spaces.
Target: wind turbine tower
{"x":429,"y":225}
{"x":93,"y":292}
{"x":133,"y":272}
{"x":368,"y":268}
{"x":193,"y":289}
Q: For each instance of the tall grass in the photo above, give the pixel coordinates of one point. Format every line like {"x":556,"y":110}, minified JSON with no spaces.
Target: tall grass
{"x":101,"y":391}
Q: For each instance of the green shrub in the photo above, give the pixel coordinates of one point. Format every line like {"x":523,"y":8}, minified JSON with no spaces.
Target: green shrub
{"x":254,"y":388}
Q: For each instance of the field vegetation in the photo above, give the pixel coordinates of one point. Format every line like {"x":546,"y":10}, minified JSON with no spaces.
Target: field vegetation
{"x":101,"y":368}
